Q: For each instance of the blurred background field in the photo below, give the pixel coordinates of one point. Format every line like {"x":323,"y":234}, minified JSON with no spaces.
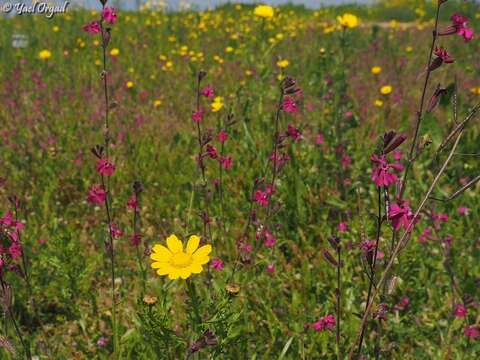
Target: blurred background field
{"x":51,"y":115}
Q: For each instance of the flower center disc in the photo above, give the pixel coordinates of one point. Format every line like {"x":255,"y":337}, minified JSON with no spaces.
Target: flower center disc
{"x":181,"y":259}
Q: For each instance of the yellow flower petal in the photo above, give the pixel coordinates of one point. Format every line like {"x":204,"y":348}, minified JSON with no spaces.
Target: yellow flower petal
{"x":196,"y":268}
{"x":200,"y":260}
{"x":162,"y":252}
{"x":185,"y":272}
{"x":164,"y":270}
{"x":173,"y":274}
{"x":203,"y":251}
{"x":192,"y":244}
{"x":158,"y":265}
{"x":174,"y":245}
{"x":160,"y":258}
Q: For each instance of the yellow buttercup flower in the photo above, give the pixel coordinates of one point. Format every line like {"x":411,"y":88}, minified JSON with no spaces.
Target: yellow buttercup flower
{"x":348,"y":20}
{"x":378,"y":103}
{"x":386,"y":90}
{"x":409,"y":49}
{"x":264,"y":11}
{"x":157,"y":103}
{"x":130,"y":84}
{"x":282,"y":64}
{"x":376,"y":70}
{"x":114,"y":52}
{"x":55,"y":29}
{"x":217,"y":104}
{"x":175,"y":261}
{"x":44,"y":55}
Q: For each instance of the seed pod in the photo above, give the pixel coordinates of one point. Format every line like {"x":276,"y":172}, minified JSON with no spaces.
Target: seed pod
{"x":330,"y":258}
{"x":433,"y":102}
{"x":388,"y":137}
{"x":334,"y":242}
{"x":395,"y":143}
{"x":97,"y":150}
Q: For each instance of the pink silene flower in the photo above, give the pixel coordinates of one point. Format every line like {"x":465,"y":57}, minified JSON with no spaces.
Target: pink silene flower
{"x":15,"y":250}
{"x":208,"y":92}
{"x":226,"y":162}
{"x":346,"y":161}
{"x":324,"y":323}
{"x":217,"y":264}
{"x":462,"y":210}
{"x":132,"y":203}
{"x":270,"y":268}
{"x":426,"y":235}
{"x":289,"y":105}
{"x":402,"y":304}
{"x":105,"y":167}
{"x":400,"y":214}
{"x":222,"y":136}
{"x":211,"y":151}
{"x":109,"y":14}
{"x":460,"y":311}
{"x":381,"y":173}
{"x":92,"y":28}
{"x":294,"y":133}
{"x":102,"y":341}
{"x":115,"y":231}
{"x":261,"y":197}
{"x":197,"y":116}
{"x":7,"y":220}
{"x":342,"y":226}
{"x":270,"y":240}
{"x":96,"y":195}
{"x":459,"y":27}
{"x":442,"y":56}
{"x":471,"y":331}
{"x":397,"y":155}
{"x":320,"y":140}
{"x":135,"y":239}
{"x":368,"y":248}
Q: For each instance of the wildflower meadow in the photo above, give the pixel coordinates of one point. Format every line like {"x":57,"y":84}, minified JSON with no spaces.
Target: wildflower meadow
{"x":241,"y":182}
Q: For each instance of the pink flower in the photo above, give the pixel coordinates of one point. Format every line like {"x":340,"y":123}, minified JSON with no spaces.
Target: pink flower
{"x":426,"y":235}
{"x":197,"y":116}
{"x":342,"y":226}
{"x":7,"y":220}
{"x":324,"y":323}
{"x":222,"y":136}
{"x":135,"y":239}
{"x":92,"y":28}
{"x":442,"y":57}
{"x":96,"y":195}
{"x":472,"y":332}
{"x":109,"y":15}
{"x":462,"y":210}
{"x":270,"y":240}
{"x":289,"y":105}
{"x":402,"y":304}
{"x":270,"y":268}
{"x":211,"y":152}
{"x":105,"y":167}
{"x":15,"y":250}
{"x":346,"y":161}
{"x":400,"y":214}
{"x":115,"y":231}
{"x":320,"y":140}
{"x":459,"y":26}
{"x":226,"y":162}
{"x":368,"y":248}
{"x":132,"y":203}
{"x":460,"y":311}
{"x":217,"y":264}
{"x":397,"y":155}
{"x":381,"y":173}
{"x":208,"y":92}
{"x":294,"y":133}
{"x":261,"y":197}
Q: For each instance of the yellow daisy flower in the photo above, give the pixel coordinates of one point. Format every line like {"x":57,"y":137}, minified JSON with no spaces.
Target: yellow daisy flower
{"x":283,"y":63}
{"x":348,"y":20}
{"x":376,"y":70}
{"x":386,"y":90}
{"x":176,"y":262}
{"x":263,"y":11}
{"x":114,"y":52}
{"x":44,"y":55}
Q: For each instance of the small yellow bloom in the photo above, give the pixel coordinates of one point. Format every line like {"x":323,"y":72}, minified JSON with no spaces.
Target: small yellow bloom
{"x":248,"y":72}
{"x":44,"y":55}
{"x":55,"y":29}
{"x":409,"y":49}
{"x":176,"y":262}
{"x":98,"y":62}
{"x":217,"y":104}
{"x":130,"y":84}
{"x":229,"y":49}
{"x":378,"y":103}
{"x":376,"y":70}
{"x":386,"y":90}
{"x":114,"y":52}
{"x":348,"y":20}
{"x":282,"y":64}
{"x":475,"y":90}
{"x":264,"y":11}
{"x":157,"y":103}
